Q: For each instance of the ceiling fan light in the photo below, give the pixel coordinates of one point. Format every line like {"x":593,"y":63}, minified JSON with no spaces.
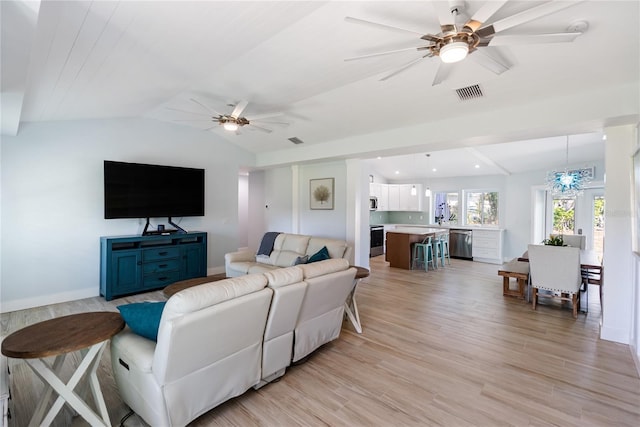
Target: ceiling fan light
{"x":230,"y":126}
{"x":454,"y":52}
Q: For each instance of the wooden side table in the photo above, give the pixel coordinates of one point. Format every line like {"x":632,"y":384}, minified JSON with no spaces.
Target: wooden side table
{"x":87,"y":332}
{"x":350,"y":306}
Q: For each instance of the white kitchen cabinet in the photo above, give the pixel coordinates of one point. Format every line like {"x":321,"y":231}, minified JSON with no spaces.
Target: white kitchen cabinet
{"x":394,"y":197}
{"x":408,"y":201}
{"x":381,"y":192}
{"x":487,"y":245}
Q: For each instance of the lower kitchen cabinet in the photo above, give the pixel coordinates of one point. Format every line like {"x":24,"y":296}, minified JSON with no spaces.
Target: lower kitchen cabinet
{"x":487,"y":245}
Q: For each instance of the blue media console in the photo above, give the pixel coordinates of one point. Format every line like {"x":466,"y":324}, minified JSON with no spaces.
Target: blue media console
{"x":134,"y":264}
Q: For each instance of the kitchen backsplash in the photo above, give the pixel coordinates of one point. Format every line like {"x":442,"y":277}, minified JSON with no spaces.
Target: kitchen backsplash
{"x":396,"y":217}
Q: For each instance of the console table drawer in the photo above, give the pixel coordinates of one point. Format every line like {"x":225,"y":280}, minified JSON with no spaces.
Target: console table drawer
{"x":160,"y":254}
{"x":161,"y":266}
{"x":161,"y":279}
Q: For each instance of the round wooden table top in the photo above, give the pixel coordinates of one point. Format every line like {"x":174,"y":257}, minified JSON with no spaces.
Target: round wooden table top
{"x":62,"y":335}
{"x":176,"y":287}
{"x":361,"y":273}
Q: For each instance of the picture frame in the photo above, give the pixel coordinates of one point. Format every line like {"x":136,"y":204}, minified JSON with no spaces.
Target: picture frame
{"x":321,"y":194}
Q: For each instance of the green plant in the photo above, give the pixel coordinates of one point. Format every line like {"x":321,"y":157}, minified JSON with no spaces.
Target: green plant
{"x":554,"y":241}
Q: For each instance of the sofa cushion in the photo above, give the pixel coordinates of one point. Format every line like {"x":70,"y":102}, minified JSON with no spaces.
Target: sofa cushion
{"x":335,"y":247}
{"x":321,"y":255}
{"x":323,"y":267}
{"x":261,"y":268}
{"x":143,"y":318}
{"x":287,"y":248}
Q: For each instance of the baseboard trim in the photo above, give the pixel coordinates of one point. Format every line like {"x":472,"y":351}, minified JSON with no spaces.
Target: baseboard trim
{"x":25,"y":303}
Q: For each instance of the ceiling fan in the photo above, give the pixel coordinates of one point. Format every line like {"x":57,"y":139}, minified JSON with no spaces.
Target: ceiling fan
{"x":457,"y":40}
{"x":235,"y":120}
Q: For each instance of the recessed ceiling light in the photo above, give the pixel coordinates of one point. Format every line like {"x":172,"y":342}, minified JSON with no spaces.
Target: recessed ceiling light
{"x":379,"y":157}
{"x":604,"y":137}
{"x":434,"y":170}
{"x":397,"y":172}
{"x":477,"y":166}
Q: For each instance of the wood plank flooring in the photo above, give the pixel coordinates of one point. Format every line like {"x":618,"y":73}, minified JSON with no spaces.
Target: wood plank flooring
{"x":441,"y":347}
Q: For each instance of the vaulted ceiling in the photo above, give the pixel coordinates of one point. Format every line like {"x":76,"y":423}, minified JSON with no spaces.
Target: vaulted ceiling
{"x":71,"y":60}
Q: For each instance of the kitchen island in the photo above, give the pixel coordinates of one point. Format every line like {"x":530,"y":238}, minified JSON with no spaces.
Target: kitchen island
{"x":400,"y":243}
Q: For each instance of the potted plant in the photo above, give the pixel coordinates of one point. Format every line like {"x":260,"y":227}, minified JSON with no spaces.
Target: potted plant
{"x":554,"y":241}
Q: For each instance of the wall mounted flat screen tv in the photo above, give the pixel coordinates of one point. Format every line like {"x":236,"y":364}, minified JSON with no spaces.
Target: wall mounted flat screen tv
{"x":135,"y":190}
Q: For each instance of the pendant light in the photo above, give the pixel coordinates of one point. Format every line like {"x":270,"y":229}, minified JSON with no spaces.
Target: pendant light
{"x":567,"y":183}
{"x":427,"y":190}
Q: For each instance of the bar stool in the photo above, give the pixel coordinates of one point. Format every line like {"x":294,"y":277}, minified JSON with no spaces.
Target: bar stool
{"x":443,"y":248}
{"x":423,"y":252}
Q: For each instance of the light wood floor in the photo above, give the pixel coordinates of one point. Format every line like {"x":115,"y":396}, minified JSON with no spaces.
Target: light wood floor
{"x":438,"y":348}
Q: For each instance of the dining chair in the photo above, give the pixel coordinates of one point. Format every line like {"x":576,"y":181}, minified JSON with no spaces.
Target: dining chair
{"x":555,"y":269}
{"x":575,"y":240}
{"x":423,"y":253}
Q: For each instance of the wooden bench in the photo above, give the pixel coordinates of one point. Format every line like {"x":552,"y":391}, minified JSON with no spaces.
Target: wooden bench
{"x":518,"y":270}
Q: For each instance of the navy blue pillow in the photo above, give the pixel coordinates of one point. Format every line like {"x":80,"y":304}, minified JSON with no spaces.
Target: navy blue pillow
{"x":143,"y":317}
{"x":321,"y":255}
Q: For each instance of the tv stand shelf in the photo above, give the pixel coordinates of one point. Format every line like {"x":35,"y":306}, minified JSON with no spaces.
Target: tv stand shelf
{"x":134,"y":264}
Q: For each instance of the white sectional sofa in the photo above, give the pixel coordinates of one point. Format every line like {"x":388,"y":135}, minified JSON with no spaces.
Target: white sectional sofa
{"x":217,"y":340}
{"x":287,"y":249}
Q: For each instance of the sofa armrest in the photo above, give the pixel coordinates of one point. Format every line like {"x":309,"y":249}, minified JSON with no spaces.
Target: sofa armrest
{"x":239,"y":256}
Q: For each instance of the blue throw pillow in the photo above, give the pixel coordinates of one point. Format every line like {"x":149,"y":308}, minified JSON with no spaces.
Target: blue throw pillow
{"x":321,"y":255}
{"x":143,"y":317}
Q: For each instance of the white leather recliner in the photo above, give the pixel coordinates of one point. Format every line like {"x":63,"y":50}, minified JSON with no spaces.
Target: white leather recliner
{"x":209,"y":350}
{"x":288,"y":292}
{"x":329,"y":283}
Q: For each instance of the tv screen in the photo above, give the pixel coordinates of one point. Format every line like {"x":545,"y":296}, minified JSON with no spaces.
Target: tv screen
{"x":134,"y":190}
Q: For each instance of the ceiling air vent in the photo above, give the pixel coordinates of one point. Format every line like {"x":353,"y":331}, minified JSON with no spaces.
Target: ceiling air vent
{"x":469,"y":92}
{"x":296,"y":140}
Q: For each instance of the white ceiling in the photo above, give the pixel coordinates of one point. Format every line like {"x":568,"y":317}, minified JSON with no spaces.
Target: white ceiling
{"x":108,"y":59}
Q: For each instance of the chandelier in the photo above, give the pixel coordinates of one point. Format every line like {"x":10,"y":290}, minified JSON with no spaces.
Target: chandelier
{"x":568,"y":183}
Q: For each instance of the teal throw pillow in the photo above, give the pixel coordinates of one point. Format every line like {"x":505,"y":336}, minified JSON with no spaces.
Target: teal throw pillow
{"x":321,"y":255}
{"x":143,"y":317}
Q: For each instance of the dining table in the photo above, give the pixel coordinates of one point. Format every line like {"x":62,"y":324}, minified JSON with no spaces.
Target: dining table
{"x":399,"y":244}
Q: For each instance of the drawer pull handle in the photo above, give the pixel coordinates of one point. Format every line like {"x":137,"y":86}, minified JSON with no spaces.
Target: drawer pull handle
{"x":162,"y":279}
{"x":162,"y":266}
{"x":163,"y":253}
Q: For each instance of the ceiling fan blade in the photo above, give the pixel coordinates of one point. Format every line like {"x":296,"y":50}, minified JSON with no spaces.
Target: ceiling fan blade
{"x":193,"y":120}
{"x":260,"y":128}
{"x":375,"y":24}
{"x":264,"y":116}
{"x":445,"y":17}
{"x":239,"y":108}
{"x":443,"y":72}
{"x":489,"y":61}
{"x":188,"y":112}
{"x":206,"y":107}
{"x":505,"y":40}
{"x":269,"y":122}
{"x":525,"y":16}
{"x":484,"y":14}
{"x":371,"y":55}
{"x":405,"y":67}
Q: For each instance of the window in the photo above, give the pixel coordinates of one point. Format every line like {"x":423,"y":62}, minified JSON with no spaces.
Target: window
{"x":564,"y":216}
{"x":482,"y":207}
{"x":446,"y":207}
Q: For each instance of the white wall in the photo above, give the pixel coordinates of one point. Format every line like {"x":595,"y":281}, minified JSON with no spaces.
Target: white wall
{"x":243,"y":210}
{"x":52,"y":198}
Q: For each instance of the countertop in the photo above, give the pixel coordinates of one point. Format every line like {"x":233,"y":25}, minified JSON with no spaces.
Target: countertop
{"x":455,"y":227}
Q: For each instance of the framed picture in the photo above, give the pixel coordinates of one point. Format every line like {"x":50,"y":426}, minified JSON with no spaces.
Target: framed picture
{"x":321,"y":194}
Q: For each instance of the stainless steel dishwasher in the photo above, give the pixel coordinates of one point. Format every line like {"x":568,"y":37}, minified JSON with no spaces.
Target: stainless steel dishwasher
{"x":460,"y":243}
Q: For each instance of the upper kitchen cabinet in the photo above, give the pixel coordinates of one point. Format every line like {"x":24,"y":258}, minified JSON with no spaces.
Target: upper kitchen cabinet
{"x":404,"y":197}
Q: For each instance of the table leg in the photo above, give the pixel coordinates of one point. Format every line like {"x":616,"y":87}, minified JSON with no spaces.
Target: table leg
{"x":66,"y":393}
{"x":351,"y":308}
{"x":46,"y":395}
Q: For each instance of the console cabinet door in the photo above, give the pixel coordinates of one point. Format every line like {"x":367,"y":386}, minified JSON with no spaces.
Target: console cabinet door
{"x":192,"y":262}
{"x":126,"y":270}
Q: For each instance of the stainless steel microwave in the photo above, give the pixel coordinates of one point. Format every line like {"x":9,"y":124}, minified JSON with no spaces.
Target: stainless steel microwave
{"x":373,"y":203}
